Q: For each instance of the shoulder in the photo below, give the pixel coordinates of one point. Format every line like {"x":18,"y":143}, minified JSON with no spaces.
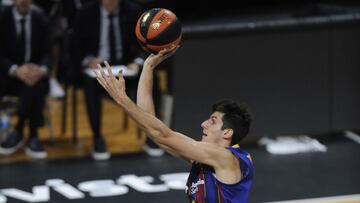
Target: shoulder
{"x":219,"y":155}
{"x":244,"y":158}
{"x":238,"y":152}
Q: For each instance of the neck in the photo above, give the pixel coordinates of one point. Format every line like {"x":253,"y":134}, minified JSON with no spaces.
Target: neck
{"x":225,"y":143}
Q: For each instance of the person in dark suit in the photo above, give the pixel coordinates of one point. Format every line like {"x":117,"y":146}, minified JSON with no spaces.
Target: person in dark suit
{"x":24,"y":65}
{"x":104,"y":30}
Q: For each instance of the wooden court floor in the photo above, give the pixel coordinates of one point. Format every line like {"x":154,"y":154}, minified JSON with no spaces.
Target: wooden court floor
{"x":118,"y":139}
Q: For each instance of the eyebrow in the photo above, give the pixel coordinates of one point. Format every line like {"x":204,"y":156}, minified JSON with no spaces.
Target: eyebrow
{"x":214,"y":117}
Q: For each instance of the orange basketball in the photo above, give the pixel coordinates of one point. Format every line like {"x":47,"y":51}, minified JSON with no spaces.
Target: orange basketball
{"x":158,"y":28}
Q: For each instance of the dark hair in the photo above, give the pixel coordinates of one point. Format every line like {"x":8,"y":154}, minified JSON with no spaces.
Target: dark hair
{"x":236,"y":117}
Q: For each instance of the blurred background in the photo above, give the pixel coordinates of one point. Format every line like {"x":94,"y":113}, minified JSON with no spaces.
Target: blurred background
{"x":296,"y":64}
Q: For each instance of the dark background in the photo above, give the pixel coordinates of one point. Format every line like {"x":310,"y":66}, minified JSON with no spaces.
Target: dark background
{"x":295,"y":65}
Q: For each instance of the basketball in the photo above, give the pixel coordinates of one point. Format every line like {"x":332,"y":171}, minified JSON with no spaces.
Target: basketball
{"x":158,"y":28}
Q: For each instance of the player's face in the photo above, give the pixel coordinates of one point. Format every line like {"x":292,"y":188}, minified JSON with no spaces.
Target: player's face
{"x":212,"y":131}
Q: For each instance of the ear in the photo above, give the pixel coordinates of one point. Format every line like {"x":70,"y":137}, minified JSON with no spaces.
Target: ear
{"x":227,"y":133}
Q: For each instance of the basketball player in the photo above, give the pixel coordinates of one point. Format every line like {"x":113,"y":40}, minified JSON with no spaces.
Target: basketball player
{"x":221,"y":171}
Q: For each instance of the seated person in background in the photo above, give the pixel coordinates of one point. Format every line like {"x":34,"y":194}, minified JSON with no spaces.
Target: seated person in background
{"x":24,"y":63}
{"x":61,"y":14}
{"x":58,"y":29}
{"x":104,"y":30}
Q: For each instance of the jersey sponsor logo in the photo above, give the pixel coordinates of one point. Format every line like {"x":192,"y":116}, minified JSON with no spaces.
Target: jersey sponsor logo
{"x":96,"y":188}
{"x":195,"y":186}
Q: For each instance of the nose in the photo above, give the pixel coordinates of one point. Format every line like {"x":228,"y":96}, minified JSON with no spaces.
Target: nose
{"x":203,"y":124}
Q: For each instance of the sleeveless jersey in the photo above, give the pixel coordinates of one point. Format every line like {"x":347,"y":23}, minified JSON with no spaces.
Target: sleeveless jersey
{"x":203,"y":186}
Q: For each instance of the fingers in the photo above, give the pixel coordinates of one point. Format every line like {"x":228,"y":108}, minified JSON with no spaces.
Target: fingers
{"x":108,"y":68}
{"x":120,"y":73}
{"x":121,"y":77}
{"x":173,"y":49}
{"x":100,"y":78}
{"x":107,"y":64}
{"x":112,"y":85}
{"x":101,"y":82}
{"x":167,"y":52}
{"x":101,"y":71}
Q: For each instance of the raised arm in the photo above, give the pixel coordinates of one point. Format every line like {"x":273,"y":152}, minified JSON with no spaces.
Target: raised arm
{"x":144,"y":92}
{"x":208,"y":153}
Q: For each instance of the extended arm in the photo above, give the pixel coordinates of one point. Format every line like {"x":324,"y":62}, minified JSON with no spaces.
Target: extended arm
{"x":211,"y":154}
{"x":144,"y":112}
{"x":144,"y":93}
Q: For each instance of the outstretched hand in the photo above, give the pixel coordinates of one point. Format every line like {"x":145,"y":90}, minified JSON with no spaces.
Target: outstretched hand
{"x":115,"y":87}
{"x":153,"y":60}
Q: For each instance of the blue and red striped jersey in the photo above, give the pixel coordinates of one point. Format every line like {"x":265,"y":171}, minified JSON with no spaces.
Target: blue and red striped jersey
{"x":204,"y":187}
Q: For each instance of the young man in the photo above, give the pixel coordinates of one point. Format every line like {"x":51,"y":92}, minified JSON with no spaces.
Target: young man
{"x":221,"y":171}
